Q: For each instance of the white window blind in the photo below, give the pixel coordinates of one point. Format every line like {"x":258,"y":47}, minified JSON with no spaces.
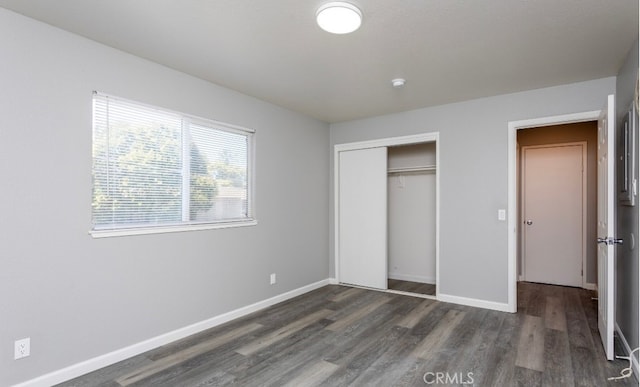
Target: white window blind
{"x":156,"y":168}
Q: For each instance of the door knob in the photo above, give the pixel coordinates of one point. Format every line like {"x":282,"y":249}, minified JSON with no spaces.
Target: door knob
{"x":528,"y":222}
{"x":610,"y":241}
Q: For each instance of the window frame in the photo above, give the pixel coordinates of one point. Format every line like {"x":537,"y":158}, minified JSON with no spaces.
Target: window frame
{"x":125,"y":230}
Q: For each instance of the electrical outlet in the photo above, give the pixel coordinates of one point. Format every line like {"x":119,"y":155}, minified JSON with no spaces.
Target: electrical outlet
{"x":22,"y":348}
{"x":272,"y":279}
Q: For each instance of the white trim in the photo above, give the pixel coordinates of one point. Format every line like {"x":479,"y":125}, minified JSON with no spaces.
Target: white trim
{"x":391,"y":141}
{"x":522,"y":199}
{"x":438,"y":166}
{"x":384,"y":142}
{"x":403,"y":293}
{"x":627,"y":351}
{"x":499,"y":306}
{"x":167,"y":229}
{"x":107,"y":359}
{"x":410,"y":294}
{"x":413,"y":278}
{"x":512,"y":231}
{"x":590,"y":286}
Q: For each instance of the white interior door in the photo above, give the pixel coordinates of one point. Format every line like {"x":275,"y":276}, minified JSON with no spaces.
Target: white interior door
{"x":362,"y":212}
{"x":553,"y":213}
{"x":606,"y":250}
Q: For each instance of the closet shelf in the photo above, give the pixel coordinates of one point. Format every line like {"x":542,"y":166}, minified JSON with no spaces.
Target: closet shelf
{"x":425,"y":168}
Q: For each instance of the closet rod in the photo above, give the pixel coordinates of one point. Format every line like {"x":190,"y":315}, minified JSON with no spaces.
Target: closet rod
{"x":412,"y":169}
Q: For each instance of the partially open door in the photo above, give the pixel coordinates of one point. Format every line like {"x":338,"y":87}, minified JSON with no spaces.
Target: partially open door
{"x":362,"y":213}
{"x":606,"y":223}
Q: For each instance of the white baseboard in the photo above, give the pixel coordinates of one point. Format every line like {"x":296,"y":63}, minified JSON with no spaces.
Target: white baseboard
{"x":474,"y":302}
{"x":590,"y":286}
{"x":334,"y":281}
{"x":412,"y":278}
{"x":627,"y":351}
{"x":98,"y":362}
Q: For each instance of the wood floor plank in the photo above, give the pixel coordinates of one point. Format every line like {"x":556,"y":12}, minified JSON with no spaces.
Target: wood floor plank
{"x":348,"y":343}
{"x":374,"y":349}
{"x":192,"y":377}
{"x":530,"y":352}
{"x":194,"y":370}
{"x":557,"y":366}
{"x":287,"y":311}
{"x":338,"y":349}
{"x":476,"y":333}
{"x":581,"y":342}
{"x":522,"y":295}
{"x":392,"y":365}
{"x":357,"y":315}
{"x":105,"y":377}
{"x":429,"y":322}
{"x":348,"y":306}
{"x":499,"y":364}
{"x":524,"y":377}
{"x":313,"y":375}
{"x":347,"y":293}
{"x":554,"y":317}
{"x":276,"y":364}
{"x":358,"y":361}
{"x":611,"y":368}
{"x":535,"y":300}
{"x":432,"y":343}
{"x":378,"y":346}
{"x":410,"y":320}
{"x":283,"y":332}
{"x":187,"y":353}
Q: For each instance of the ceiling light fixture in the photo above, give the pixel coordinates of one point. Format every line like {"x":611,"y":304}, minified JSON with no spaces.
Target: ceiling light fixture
{"x":339,"y":17}
{"x":398,"y":82}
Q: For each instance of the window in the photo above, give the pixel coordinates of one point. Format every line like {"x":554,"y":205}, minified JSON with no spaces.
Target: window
{"x":156,"y":170}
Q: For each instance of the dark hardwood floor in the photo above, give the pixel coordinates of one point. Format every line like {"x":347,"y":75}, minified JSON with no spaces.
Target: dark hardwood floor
{"x":341,"y":336}
{"x":412,"y":287}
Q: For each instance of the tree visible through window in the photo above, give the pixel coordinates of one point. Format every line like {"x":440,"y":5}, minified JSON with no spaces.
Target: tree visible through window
{"x":158,"y":168}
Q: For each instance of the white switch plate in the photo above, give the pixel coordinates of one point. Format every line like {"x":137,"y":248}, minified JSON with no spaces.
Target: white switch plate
{"x":22,"y":348}
{"x":502,"y":214}
{"x":272,"y":279}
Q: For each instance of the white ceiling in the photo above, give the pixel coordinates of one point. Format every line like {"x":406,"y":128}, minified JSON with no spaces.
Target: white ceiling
{"x":448,"y":50}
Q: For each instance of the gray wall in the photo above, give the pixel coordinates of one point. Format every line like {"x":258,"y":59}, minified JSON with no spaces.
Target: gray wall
{"x":556,"y":134}
{"x":473,"y":174}
{"x":78,"y":297}
{"x":627,"y":220}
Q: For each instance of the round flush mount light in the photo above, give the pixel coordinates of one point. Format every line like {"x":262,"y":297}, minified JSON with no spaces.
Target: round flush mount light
{"x":398,"y":82}
{"x":339,"y":17}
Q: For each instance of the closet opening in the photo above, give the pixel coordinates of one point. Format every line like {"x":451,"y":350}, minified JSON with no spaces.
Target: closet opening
{"x":387,"y":214}
{"x":411,"y":198}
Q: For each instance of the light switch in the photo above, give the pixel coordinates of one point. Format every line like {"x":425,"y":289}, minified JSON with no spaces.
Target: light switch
{"x":502,"y":214}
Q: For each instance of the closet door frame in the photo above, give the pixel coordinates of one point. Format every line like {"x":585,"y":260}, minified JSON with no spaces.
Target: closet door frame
{"x":378,"y":143}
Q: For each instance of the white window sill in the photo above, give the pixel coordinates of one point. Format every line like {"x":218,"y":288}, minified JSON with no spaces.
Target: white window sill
{"x":167,"y":229}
